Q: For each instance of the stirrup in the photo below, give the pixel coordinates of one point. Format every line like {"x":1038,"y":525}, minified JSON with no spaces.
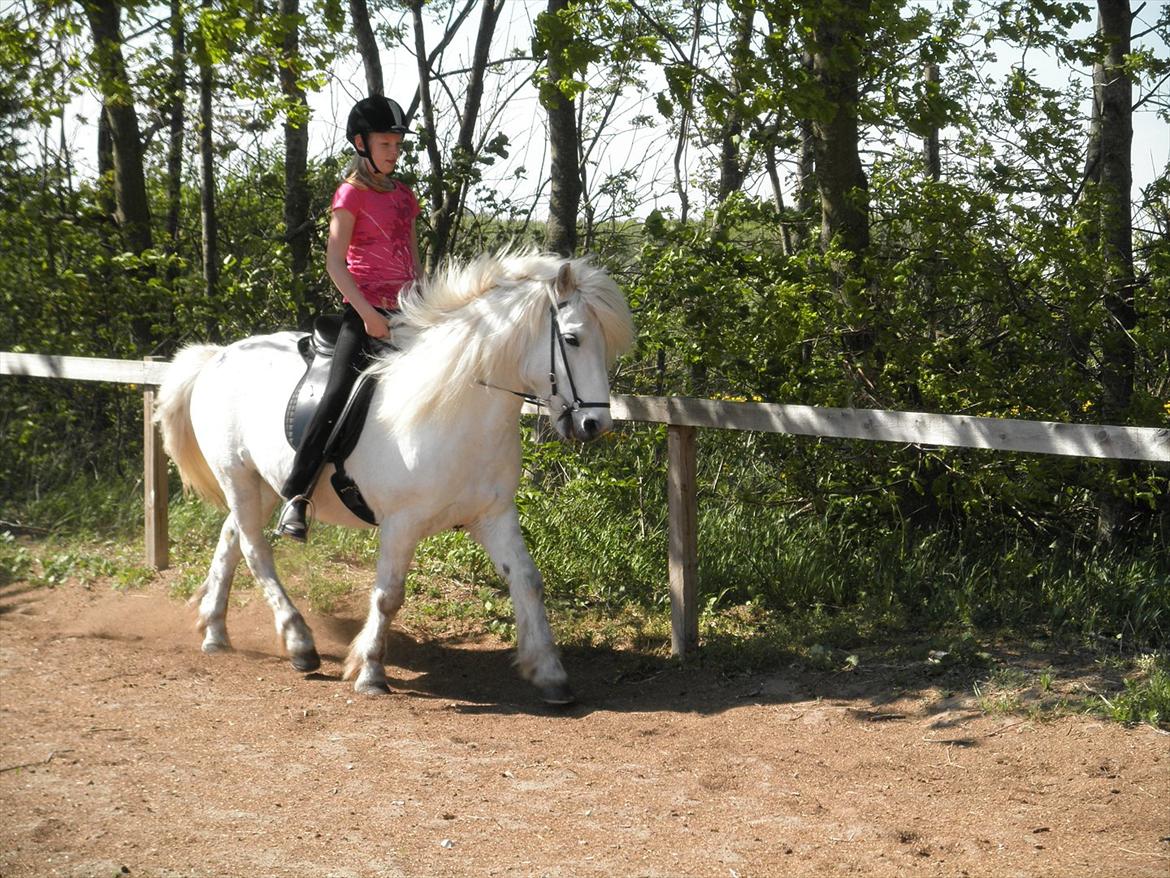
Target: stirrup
{"x":294,"y":519}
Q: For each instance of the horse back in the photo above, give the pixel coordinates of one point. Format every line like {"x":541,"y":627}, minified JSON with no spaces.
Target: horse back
{"x":238,"y":401}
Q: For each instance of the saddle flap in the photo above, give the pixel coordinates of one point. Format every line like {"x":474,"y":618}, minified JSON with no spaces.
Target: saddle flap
{"x":317,"y":350}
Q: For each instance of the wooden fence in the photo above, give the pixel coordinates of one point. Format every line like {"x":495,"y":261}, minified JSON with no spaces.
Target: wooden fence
{"x":683,"y":417}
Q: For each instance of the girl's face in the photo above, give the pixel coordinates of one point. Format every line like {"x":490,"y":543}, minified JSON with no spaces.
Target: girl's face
{"x":384,"y":148}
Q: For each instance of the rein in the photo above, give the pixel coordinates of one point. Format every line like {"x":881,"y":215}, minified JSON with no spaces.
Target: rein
{"x":555,"y":338}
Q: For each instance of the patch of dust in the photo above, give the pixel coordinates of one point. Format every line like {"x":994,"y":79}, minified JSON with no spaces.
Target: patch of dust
{"x":126,"y":751}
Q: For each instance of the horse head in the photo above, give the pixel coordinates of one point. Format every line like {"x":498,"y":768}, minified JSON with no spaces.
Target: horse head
{"x":538,"y":326}
{"x":588,"y":325}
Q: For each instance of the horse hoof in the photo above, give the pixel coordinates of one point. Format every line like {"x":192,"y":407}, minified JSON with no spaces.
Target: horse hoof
{"x":558,"y":694}
{"x":373,"y":687}
{"x":306,"y":662}
{"x":214,"y":646}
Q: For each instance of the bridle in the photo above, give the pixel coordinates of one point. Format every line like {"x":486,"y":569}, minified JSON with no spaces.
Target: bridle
{"x":556,"y":338}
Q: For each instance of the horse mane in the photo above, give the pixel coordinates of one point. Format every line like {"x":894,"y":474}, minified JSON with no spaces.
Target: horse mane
{"x":473,"y":319}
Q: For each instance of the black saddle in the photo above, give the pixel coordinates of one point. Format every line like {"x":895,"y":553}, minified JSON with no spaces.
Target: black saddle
{"x":316,"y":349}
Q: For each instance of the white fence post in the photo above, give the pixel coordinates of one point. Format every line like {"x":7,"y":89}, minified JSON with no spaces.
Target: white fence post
{"x":154,"y":483}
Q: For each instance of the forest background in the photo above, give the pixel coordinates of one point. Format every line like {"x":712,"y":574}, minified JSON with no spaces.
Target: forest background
{"x":842,"y":203}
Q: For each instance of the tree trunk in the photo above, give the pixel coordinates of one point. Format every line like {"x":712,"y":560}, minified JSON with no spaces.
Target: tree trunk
{"x":731,"y":167}
{"x":839,"y":37}
{"x":1116,"y":218}
{"x":564,"y":140}
{"x":930,"y":147}
{"x":132,"y":207}
{"x":448,"y":189}
{"x":1088,"y":214}
{"x":838,"y":40}
{"x":208,"y":218}
{"x":367,"y":46}
{"x":176,"y":111}
{"x":1118,"y":355}
{"x":296,"y":163}
{"x":683,"y":139}
{"x":430,"y":134}
{"x":806,"y":189}
{"x":1092,"y":172}
{"x":105,"y":159}
{"x":778,"y":198}
{"x":444,"y":220}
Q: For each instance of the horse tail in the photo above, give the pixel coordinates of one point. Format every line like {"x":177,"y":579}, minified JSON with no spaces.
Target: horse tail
{"x":173,"y":416}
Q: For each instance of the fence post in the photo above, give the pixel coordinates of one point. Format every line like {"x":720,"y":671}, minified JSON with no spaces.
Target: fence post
{"x":682,"y":507}
{"x":154,"y":481}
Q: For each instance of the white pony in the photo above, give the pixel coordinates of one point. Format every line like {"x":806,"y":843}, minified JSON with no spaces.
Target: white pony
{"x":441,"y":446}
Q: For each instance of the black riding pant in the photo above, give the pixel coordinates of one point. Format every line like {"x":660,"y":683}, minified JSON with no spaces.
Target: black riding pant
{"x":350,"y":356}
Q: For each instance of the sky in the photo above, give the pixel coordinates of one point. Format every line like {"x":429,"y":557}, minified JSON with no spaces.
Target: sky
{"x":651,"y":150}
{"x":523,"y":117}
{"x":648,"y":150}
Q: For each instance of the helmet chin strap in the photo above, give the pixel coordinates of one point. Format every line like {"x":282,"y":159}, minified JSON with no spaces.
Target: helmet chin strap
{"x":365,"y":153}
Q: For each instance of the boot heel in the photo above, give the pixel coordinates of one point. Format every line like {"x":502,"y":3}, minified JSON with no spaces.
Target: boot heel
{"x":294,"y":519}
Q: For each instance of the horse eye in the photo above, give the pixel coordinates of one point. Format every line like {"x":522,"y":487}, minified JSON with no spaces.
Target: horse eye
{"x":572,"y":340}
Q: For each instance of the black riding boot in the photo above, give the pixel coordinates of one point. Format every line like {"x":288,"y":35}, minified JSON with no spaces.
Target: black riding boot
{"x":348,"y":359}
{"x":294,"y":522}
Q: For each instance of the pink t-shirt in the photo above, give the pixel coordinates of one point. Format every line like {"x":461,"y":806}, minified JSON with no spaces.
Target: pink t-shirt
{"x":379,"y":256}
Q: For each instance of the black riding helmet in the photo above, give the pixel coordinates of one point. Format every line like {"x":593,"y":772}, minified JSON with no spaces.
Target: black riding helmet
{"x":374,"y":114}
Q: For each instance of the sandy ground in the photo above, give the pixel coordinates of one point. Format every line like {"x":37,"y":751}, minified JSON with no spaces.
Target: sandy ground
{"x":126,"y":751}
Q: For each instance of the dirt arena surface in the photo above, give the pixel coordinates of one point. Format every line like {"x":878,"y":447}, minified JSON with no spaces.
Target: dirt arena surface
{"x":126,"y":751}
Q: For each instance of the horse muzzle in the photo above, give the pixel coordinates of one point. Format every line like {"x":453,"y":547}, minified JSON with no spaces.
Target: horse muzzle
{"x":584,"y":424}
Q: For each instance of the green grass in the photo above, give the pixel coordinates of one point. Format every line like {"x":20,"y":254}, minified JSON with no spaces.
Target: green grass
{"x":1146,"y":697}
{"x":54,"y":561}
{"x":777,"y":585}
{"x":1137,"y":691}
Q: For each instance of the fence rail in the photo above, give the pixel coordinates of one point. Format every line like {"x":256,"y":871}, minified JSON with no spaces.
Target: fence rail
{"x":683,"y":416}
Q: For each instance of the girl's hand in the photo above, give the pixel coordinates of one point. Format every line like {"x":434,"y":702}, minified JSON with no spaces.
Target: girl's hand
{"x":376,"y":325}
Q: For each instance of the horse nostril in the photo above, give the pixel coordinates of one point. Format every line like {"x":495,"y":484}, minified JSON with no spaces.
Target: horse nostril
{"x":589,"y":425}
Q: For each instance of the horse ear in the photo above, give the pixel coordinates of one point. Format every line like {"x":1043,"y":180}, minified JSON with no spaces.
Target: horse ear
{"x":566,"y":283}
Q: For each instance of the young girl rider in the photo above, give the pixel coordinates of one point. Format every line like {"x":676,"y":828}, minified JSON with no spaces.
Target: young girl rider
{"x":372,"y":254}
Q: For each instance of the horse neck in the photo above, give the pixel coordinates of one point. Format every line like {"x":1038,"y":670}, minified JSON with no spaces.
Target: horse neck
{"x":465,"y":400}
{"x":498,"y":396}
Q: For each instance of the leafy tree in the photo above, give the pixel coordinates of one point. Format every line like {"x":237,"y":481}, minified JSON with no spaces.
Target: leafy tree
{"x":566,"y":54}
{"x":988,"y":280}
{"x":450,"y":181}
{"x":109,"y":64}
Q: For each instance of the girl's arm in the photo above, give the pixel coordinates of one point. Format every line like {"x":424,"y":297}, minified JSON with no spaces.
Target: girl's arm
{"x":340,"y":233}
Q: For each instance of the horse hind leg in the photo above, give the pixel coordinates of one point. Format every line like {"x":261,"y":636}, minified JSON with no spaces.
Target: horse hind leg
{"x":367,"y":654}
{"x":212,"y":596}
{"x":251,"y":504}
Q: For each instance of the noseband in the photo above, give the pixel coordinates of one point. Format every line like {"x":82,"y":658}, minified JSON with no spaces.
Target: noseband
{"x":556,"y":338}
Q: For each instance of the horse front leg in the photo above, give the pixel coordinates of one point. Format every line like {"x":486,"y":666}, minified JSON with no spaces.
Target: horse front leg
{"x":365,"y":664}
{"x":212,"y":596}
{"x":537,"y":657}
